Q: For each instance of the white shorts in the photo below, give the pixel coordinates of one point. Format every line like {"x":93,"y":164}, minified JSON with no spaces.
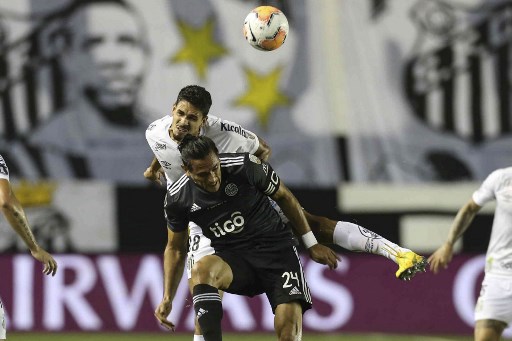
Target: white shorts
{"x":198,"y":247}
{"x":3,"y":330}
{"x":494,"y":302}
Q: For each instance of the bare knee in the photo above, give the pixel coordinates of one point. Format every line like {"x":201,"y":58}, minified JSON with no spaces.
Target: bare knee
{"x":200,"y":274}
{"x":211,"y":270}
{"x":288,"y":322}
{"x":489,"y":330}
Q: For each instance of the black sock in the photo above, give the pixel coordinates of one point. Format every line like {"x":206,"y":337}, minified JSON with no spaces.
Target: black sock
{"x":208,"y":307}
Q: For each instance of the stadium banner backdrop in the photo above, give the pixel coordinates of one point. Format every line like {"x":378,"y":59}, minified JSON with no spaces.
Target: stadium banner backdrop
{"x":426,"y":89}
{"x":80,"y":84}
{"x":66,"y":216}
{"x":120,"y":292}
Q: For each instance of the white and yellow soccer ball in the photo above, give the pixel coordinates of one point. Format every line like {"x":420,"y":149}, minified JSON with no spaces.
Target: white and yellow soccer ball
{"x":266,"y":28}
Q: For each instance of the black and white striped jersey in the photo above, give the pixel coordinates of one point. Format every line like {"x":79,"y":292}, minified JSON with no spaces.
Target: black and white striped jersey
{"x":237,"y":216}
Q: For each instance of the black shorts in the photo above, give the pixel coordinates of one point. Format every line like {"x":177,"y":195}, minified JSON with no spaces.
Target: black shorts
{"x":277,"y":273}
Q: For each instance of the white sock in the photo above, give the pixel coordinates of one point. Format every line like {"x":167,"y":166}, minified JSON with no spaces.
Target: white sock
{"x":357,"y":238}
{"x":198,"y":338}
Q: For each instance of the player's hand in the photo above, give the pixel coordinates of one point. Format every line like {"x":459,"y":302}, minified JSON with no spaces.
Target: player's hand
{"x":324,"y":255}
{"x":440,"y":258}
{"x":50,"y":265}
{"x":161,"y":313}
{"x":155,"y":176}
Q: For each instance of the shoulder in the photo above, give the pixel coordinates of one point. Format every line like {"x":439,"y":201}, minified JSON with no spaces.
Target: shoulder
{"x":230,"y":160}
{"x":178,"y":187}
{"x":156,"y":127}
{"x":216,"y":125}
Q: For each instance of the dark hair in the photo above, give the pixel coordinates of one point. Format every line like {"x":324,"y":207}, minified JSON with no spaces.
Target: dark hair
{"x":196,"y":95}
{"x":196,"y":148}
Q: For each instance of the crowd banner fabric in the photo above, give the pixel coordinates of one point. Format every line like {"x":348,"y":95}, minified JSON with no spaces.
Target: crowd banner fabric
{"x":81,"y":80}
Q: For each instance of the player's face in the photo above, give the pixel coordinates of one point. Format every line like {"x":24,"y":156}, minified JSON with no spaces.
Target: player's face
{"x":186,"y":119}
{"x":206,"y":172}
{"x":106,"y":59}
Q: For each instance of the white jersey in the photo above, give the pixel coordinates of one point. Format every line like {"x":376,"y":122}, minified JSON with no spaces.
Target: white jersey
{"x":4,"y":171}
{"x":229,"y":137}
{"x":498,"y":186}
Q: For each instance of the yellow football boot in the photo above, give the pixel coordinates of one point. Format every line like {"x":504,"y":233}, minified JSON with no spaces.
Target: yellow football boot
{"x":409,"y":264}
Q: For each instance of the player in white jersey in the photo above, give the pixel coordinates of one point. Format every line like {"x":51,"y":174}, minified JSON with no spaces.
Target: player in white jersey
{"x":190,"y":116}
{"x":13,"y":212}
{"x":493,"y":311}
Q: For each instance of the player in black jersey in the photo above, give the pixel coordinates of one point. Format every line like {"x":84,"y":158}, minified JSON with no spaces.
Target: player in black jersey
{"x":255,"y":252}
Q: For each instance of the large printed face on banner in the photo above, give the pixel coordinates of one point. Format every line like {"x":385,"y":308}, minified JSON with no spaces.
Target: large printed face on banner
{"x":105,"y":58}
{"x":86,"y":78}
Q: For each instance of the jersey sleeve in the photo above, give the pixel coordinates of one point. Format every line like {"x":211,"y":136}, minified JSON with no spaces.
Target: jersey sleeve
{"x":230,"y":137}
{"x":175,"y":216}
{"x":261,"y":175}
{"x":4,"y":171}
{"x":486,"y":192}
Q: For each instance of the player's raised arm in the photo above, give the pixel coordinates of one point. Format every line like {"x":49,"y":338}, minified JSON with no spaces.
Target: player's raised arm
{"x":293,"y":210}
{"x":264,"y":151}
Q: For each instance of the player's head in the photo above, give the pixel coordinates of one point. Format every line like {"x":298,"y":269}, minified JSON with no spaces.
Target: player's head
{"x":201,"y":163}
{"x":104,"y":54}
{"x":190,"y":111}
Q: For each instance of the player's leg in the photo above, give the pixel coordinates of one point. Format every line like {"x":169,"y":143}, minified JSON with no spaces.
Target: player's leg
{"x":199,"y":246}
{"x":489,"y":330}
{"x":356,"y":238}
{"x":284,"y":281}
{"x":3,"y":332}
{"x":288,"y":321}
{"x":208,"y":275}
{"x":493,"y":310}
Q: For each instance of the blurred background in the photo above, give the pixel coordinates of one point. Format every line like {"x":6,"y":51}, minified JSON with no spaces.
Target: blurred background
{"x":387,"y":113}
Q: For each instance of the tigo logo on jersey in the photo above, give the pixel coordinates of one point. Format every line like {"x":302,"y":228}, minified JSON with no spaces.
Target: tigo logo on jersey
{"x":233,"y":225}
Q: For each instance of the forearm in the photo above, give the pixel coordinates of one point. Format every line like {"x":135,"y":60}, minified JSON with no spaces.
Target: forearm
{"x":155,"y":165}
{"x":264,"y":150}
{"x":293,"y":211}
{"x":174,"y":263}
{"x":16,"y":217}
{"x":461,"y":222}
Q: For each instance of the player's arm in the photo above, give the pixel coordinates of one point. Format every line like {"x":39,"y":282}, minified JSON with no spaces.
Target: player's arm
{"x":174,"y":262}
{"x":293,"y":210}
{"x":15,"y":215}
{"x":264,"y":151}
{"x":154,"y":172}
{"x":442,"y":256}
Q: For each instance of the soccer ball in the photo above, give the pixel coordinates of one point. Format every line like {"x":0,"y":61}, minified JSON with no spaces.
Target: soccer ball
{"x":266,"y":28}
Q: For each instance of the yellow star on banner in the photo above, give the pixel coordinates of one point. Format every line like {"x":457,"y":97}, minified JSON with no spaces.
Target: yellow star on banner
{"x":263,"y":94}
{"x":199,"y":46}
